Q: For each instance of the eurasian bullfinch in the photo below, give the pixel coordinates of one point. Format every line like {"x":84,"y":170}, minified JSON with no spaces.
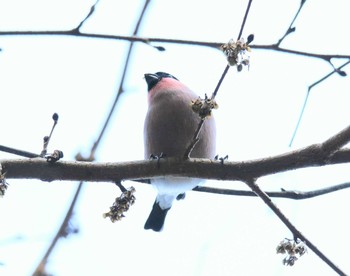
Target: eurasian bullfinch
{"x":169,"y":128}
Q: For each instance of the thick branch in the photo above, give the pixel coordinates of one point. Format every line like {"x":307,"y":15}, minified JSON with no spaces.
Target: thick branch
{"x":38,"y":168}
{"x":315,"y":155}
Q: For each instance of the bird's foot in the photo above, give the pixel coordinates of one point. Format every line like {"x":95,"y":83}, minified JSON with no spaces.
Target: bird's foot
{"x":181,"y":196}
{"x":157,"y":157}
{"x":221,"y":159}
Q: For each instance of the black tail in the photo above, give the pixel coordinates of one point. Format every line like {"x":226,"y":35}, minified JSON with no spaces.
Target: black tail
{"x":156,"y":218}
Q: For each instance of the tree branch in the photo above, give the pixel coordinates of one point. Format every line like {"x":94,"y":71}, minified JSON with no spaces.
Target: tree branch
{"x":202,"y":121}
{"x":148,"y":40}
{"x":273,"y":47}
{"x":121,"y":84}
{"x":92,"y":10}
{"x":296,"y":195}
{"x":290,"y":28}
{"x":37,"y":168}
{"x":297,"y":234}
{"x":62,"y":232}
{"x":335,"y":70}
{"x":40,"y":269}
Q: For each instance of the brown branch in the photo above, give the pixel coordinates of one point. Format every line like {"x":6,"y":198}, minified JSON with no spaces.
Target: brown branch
{"x":195,"y":139}
{"x":40,"y":270}
{"x":273,"y":47}
{"x":245,"y":17}
{"x":336,"y":141}
{"x":296,"y":195}
{"x":202,"y":121}
{"x":120,"y":89}
{"x":326,"y":153}
{"x":297,"y":234}
{"x":18,"y":152}
{"x":62,"y":231}
{"x":148,"y":40}
{"x":315,"y":155}
{"x":37,"y":168}
{"x":92,"y":10}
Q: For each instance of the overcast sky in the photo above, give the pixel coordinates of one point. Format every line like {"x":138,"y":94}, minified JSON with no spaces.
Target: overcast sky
{"x":204,"y":234}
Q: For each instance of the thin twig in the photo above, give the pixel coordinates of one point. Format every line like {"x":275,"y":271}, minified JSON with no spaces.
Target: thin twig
{"x":195,"y":139}
{"x":244,"y":19}
{"x":40,"y":269}
{"x":48,"y":138}
{"x":290,"y":29}
{"x":148,"y":40}
{"x":295,"y":195}
{"x":18,"y":152}
{"x":92,"y":9}
{"x":335,"y":70}
{"x":41,"y":266}
{"x":220,"y":81}
{"x":30,"y":154}
{"x":273,"y":47}
{"x":300,"y":117}
{"x":297,"y":234}
{"x":120,"y":89}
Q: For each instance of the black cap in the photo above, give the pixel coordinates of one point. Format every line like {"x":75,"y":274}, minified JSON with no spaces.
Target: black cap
{"x":153,"y":79}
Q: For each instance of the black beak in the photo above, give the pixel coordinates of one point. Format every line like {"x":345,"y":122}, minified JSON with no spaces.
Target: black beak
{"x":152,"y":80}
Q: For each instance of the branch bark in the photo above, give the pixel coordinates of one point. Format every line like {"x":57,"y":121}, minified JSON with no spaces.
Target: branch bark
{"x":297,"y":234}
{"x":293,"y":194}
{"x":148,"y":40}
{"x":38,"y":168}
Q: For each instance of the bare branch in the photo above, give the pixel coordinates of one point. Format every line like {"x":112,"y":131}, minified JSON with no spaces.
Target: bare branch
{"x":273,"y":47}
{"x":290,"y":28}
{"x":202,"y":121}
{"x":111,"y":37}
{"x":296,"y":195}
{"x":297,"y":234}
{"x":40,"y":269}
{"x":120,"y":90}
{"x":92,"y":9}
{"x":148,"y":40}
{"x":315,"y":155}
{"x":18,"y":152}
{"x":37,"y":168}
{"x":62,"y":232}
{"x":244,"y":19}
{"x":336,"y":70}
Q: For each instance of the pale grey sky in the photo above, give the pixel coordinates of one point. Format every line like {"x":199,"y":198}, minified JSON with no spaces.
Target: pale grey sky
{"x":258,"y":108}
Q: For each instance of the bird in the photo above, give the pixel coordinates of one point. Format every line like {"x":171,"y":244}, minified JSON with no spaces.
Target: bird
{"x":169,"y":128}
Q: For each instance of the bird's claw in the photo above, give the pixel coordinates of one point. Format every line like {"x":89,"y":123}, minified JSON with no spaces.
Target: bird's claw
{"x":221,"y":159}
{"x":157,"y":157}
{"x":181,"y":196}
